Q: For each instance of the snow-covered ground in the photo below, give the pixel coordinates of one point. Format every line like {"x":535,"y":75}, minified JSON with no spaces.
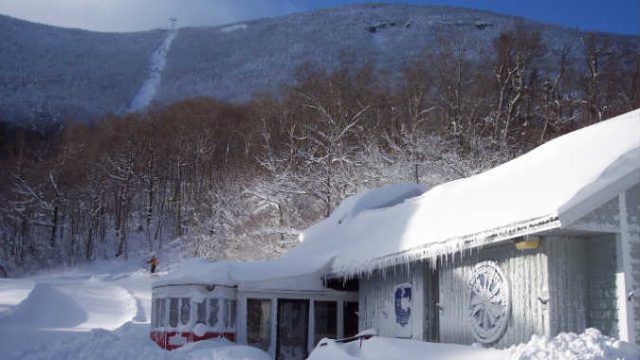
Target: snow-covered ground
{"x":97,"y":311}
{"x":101,"y":311}
{"x":591,"y":345}
{"x":58,"y":306}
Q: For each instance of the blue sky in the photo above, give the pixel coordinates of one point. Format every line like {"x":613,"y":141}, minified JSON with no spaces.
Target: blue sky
{"x":620,"y":16}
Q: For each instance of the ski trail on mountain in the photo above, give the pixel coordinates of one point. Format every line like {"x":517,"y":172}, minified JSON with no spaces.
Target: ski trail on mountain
{"x":147,"y":92}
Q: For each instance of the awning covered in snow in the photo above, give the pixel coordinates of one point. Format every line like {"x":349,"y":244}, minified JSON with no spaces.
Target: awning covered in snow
{"x":546,"y":188}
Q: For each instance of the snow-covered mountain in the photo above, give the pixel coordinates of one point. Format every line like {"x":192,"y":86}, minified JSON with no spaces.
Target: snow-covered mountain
{"x":48,"y":72}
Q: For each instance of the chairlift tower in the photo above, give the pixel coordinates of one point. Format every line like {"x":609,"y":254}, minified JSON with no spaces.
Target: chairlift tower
{"x":173,"y":20}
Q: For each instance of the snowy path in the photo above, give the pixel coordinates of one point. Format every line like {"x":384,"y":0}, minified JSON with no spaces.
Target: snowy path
{"x":147,"y":92}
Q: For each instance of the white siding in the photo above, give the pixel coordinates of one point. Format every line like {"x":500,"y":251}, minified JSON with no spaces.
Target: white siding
{"x":574,"y":276}
{"x":567,"y":284}
{"x":527,"y":273}
{"x":376,"y":300}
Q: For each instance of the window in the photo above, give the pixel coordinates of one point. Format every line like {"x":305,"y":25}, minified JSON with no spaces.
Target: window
{"x":214,"y":307}
{"x":259,"y":323}
{"x":154,"y":311}
{"x":161,"y":312}
{"x":185,"y":311}
{"x":326,"y":320}
{"x":173,"y":312}
{"x":201,"y":312}
{"x":157,"y":314}
{"x":229,"y":314}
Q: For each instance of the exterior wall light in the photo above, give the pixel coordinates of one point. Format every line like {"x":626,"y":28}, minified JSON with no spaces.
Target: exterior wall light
{"x":528,"y":243}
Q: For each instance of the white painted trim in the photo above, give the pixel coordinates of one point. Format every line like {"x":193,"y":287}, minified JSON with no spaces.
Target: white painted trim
{"x":311,"y":333}
{"x":575,"y":212}
{"x":623,"y":276}
{"x":274,"y":327}
{"x":293,"y":295}
{"x":241,"y":319}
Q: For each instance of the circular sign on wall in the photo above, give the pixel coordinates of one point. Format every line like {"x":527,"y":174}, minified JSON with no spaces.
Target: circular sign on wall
{"x":489,"y":302}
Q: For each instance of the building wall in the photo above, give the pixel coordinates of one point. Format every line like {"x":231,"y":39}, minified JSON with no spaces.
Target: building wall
{"x":527,"y":272}
{"x":571,"y":282}
{"x":616,"y":315}
{"x":377,"y":303}
{"x":567,"y":284}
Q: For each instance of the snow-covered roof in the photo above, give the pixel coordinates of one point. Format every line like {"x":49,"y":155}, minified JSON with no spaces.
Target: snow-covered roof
{"x":546,"y":188}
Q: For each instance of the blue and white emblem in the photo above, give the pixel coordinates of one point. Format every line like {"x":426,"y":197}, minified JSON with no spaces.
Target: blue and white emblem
{"x":402,"y":305}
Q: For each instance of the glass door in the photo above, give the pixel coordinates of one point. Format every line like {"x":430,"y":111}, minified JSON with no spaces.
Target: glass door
{"x":293,"y":328}
{"x":326,"y":320}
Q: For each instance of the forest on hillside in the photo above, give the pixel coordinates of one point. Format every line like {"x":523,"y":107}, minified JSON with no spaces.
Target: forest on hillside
{"x":241,"y":180}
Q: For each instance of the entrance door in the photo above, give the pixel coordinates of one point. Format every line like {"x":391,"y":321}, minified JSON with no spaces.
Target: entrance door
{"x":350,"y":320}
{"x":293,"y":327}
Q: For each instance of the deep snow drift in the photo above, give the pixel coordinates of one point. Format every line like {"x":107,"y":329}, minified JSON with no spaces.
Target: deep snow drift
{"x":98,"y":311}
{"x":56,"y":306}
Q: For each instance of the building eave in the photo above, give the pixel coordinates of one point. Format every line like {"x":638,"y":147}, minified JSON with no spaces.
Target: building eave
{"x":431,"y":252}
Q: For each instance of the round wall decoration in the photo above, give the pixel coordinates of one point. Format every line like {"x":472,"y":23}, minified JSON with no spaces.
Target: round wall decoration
{"x":489,"y":302}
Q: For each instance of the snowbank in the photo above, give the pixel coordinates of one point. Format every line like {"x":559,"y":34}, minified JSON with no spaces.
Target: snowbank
{"x":79,"y":305}
{"x":14,"y":292}
{"x":378,"y":348}
{"x":97,"y":311}
{"x":132,"y":342}
{"x":129,"y":342}
{"x":218,"y":349}
{"x":590,"y":345}
{"x":63,"y":304}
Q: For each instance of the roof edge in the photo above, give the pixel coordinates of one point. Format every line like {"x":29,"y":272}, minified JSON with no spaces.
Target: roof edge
{"x":433,"y":252}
